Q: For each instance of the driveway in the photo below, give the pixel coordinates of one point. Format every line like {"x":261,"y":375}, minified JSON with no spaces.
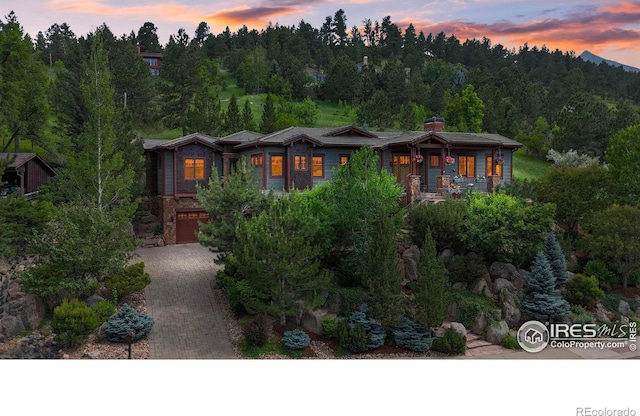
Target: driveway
{"x":188,"y":322}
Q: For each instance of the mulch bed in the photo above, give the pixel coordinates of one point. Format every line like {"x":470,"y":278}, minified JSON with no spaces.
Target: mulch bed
{"x":630,"y":292}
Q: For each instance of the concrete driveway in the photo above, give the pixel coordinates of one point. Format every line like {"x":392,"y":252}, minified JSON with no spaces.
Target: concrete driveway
{"x":188,"y":322}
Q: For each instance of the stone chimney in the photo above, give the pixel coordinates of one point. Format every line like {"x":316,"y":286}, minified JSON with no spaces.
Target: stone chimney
{"x":435,"y":124}
{"x":365,"y":60}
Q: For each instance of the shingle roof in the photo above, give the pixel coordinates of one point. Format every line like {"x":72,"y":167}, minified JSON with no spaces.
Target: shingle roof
{"x":347,"y":136}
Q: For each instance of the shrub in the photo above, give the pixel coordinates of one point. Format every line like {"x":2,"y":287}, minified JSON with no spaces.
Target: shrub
{"x":583,"y":290}
{"x":348,"y":299}
{"x":255,"y":334}
{"x":605,"y":276}
{"x":580,"y":315}
{"x":466,"y":268}
{"x":352,"y":338}
{"x":510,"y":342}
{"x":611,"y":301}
{"x":452,"y":343}
{"x":125,"y":321}
{"x":73,"y":321}
{"x":445,"y":220}
{"x":375,"y":332}
{"x":329,"y":327}
{"x":296,"y":339}
{"x":104,"y":310}
{"x":413,"y":336}
{"x":470,"y":306}
{"x":132,"y":279}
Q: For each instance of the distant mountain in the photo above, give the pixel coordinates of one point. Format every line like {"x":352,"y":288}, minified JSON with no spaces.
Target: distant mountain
{"x":589,"y":57}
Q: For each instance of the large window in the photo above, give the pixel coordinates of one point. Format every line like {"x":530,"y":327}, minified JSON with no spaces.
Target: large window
{"x":467,"y":166}
{"x":277,"y":165}
{"x":300,"y":162}
{"x":317,"y":168}
{"x":194,"y":168}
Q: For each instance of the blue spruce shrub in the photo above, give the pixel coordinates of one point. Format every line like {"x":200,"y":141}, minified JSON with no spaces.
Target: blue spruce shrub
{"x":412,"y":336}
{"x":541,"y":300}
{"x":125,"y":321}
{"x":296,"y":339}
{"x":375,"y":332}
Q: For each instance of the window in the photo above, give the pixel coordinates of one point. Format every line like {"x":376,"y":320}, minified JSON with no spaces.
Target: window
{"x":256,"y":161}
{"x":300,"y":163}
{"x":434,"y":161}
{"x":344,"y":160}
{"x":467,"y":166}
{"x":276,"y":165}
{"x":401,"y":160}
{"x":194,"y":168}
{"x":317,"y":166}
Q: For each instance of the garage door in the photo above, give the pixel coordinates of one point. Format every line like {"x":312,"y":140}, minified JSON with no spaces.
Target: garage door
{"x":187,"y":226}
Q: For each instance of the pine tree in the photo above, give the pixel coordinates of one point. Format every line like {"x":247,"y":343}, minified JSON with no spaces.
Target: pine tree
{"x":558,"y":263}
{"x":541,"y":300}
{"x":383,"y":279}
{"x":269,"y":116}
{"x":430,"y":294}
{"x":247,"y":117}
{"x":232,"y":119}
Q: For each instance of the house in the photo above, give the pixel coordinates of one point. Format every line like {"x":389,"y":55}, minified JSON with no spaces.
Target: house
{"x":154,"y":60}
{"x":365,"y":63}
{"x":303,"y":157}
{"x":24,"y":174}
{"x":318,"y":75}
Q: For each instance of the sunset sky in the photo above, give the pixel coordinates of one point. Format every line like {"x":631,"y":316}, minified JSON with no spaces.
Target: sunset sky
{"x":610,"y":29}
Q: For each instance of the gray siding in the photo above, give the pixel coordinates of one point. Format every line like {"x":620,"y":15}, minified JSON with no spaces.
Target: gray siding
{"x":275,"y":183}
{"x":168,"y":172}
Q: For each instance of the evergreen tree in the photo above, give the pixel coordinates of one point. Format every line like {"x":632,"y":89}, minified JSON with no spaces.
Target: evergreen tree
{"x":232,"y":118}
{"x":408,"y":117}
{"x":205,"y":115}
{"x":383,"y":279}
{"x":269,"y":117}
{"x":376,"y":112}
{"x":247,"y":117}
{"x":541,"y":299}
{"x":278,"y":256}
{"x":430,"y":294}
{"x":556,"y":258}
{"x":228,"y":202}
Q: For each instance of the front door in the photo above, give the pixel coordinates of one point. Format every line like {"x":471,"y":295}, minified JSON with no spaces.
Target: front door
{"x":187,"y":226}
{"x":401,"y":167}
{"x":300,"y":165}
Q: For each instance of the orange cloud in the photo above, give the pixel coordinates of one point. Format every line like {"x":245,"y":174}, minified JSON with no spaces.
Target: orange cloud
{"x":251,"y":16}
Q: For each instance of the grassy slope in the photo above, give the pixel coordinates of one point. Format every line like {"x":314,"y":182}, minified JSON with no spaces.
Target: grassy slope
{"x":527,"y":167}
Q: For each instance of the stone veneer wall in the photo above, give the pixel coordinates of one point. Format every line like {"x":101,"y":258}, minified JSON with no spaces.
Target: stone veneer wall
{"x":442,"y":184}
{"x":170,"y":206}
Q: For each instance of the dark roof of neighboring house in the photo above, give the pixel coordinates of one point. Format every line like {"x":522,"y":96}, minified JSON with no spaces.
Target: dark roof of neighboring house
{"x":347,"y":136}
{"x":21,"y":159}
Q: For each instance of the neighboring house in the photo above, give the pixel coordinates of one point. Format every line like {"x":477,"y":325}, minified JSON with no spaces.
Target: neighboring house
{"x":154,"y":60}
{"x":319,"y":77}
{"x":365,"y":63}
{"x":25,"y":174}
{"x":303,"y":157}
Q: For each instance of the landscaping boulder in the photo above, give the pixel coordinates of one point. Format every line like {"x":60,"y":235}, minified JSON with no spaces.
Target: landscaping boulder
{"x":480,"y":324}
{"x":446,"y":255}
{"x":312,"y":320}
{"x":624,"y":308}
{"x":11,"y":326}
{"x":497,"y":331}
{"x":503,"y":270}
{"x":482,"y":288}
{"x":510,"y":306}
{"x":412,"y":252}
{"x":459,"y":286}
{"x":29,"y":309}
{"x":500,"y":283}
{"x":92,"y":301}
{"x":459,"y":328}
{"x":410,"y":269}
{"x":602,"y":314}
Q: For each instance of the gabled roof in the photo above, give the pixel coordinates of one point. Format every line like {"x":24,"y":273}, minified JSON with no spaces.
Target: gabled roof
{"x":243,"y":136}
{"x":155,"y":144}
{"x":21,"y":159}
{"x":478,"y":139}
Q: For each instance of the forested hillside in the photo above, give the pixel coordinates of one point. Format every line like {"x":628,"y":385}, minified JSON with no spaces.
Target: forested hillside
{"x":380,"y":74}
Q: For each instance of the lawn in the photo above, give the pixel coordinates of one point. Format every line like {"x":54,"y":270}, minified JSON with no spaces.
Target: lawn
{"x":527,"y":167}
